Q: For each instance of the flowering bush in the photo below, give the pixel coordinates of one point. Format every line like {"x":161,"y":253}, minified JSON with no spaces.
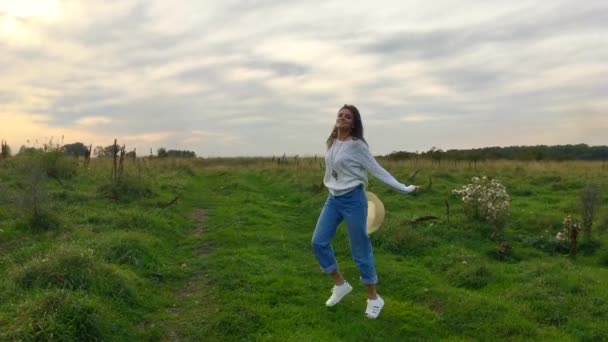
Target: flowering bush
{"x":485,"y":200}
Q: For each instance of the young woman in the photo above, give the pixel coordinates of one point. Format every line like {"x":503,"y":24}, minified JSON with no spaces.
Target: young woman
{"x":347,"y":162}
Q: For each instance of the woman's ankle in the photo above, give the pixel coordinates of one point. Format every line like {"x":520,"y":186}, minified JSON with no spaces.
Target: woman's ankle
{"x":338,"y":278}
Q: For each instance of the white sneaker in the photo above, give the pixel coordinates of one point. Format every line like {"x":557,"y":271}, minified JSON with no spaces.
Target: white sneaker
{"x":338,"y":292}
{"x":374,"y":306}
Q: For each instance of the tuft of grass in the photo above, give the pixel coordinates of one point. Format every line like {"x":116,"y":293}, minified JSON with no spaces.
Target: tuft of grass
{"x":242,"y":322}
{"x":134,"y":249}
{"x":58,"y":315}
{"x":35,"y":205}
{"x":58,"y":165}
{"x":546,"y":180}
{"x":71,"y":269}
{"x":403,"y":239}
{"x":589,"y":247}
{"x":603,"y":258}
{"x":469,"y":276}
{"x":132,"y":219}
{"x":125,"y":189}
{"x":185,"y":169}
{"x":603,"y":224}
{"x":42,"y":221}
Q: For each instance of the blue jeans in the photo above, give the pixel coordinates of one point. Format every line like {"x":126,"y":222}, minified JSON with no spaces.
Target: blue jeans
{"x":351,"y":207}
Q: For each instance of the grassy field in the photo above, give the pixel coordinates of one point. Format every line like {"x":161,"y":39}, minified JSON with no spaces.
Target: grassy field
{"x":220,"y":251}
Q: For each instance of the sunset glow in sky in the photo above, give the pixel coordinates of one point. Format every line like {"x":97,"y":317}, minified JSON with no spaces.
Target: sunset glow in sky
{"x":266,"y":77}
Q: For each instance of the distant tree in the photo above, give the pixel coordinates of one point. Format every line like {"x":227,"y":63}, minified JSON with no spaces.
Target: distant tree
{"x":104,"y":152}
{"x":98,"y":152}
{"x":131,"y":154}
{"x":77,"y":149}
{"x":435,"y":154}
{"x":6,"y":150}
{"x":26,"y":150}
{"x":400,"y":155}
{"x":181,"y":154}
{"x":162,"y":152}
{"x":110,"y":150}
{"x":539,"y":155}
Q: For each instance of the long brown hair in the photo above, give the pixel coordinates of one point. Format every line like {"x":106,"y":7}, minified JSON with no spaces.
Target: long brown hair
{"x":356,"y":132}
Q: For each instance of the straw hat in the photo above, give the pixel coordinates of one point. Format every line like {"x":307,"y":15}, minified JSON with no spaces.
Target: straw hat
{"x":375,"y":212}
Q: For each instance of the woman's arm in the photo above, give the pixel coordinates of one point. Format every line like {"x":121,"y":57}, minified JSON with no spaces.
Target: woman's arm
{"x":370,"y":164}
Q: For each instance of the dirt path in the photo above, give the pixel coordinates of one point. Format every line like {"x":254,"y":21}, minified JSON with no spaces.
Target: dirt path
{"x":194,"y":300}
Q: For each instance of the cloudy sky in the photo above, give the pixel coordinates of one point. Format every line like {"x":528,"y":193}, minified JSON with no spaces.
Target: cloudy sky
{"x":265,"y":77}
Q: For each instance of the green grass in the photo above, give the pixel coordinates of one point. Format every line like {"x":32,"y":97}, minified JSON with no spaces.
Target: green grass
{"x":231,"y":259}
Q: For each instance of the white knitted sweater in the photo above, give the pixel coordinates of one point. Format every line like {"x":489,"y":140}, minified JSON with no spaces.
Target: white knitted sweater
{"x":347,"y":164}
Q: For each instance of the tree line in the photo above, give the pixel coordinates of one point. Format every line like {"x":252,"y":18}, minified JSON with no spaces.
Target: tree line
{"x":79,"y":149}
{"x":538,"y":153}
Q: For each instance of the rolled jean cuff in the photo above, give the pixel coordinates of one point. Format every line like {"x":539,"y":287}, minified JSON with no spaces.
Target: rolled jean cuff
{"x":368,"y":281}
{"x":330,"y":269}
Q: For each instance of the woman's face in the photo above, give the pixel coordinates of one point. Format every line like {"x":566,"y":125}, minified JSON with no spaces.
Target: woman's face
{"x":345,"y":119}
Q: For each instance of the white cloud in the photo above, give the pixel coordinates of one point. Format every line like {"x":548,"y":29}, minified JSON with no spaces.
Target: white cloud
{"x":93,"y":121}
{"x":230,"y":78}
{"x":418,"y":118}
{"x":31,"y":8}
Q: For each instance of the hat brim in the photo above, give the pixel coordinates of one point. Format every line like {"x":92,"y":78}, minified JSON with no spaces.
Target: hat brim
{"x":375,"y":212}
